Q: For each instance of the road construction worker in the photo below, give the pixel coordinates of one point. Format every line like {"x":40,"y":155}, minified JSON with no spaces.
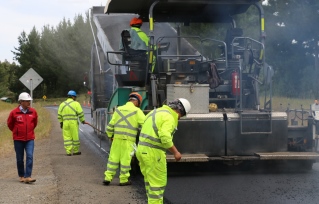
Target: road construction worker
{"x":138,"y":38}
{"x":155,"y":138}
{"x":123,"y":131}
{"x":315,"y":115}
{"x":69,"y":114}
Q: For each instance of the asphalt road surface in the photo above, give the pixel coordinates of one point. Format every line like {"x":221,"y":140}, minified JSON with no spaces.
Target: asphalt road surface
{"x":205,"y":184}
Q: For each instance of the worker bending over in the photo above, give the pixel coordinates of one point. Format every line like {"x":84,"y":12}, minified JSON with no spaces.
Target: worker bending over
{"x":155,"y":138}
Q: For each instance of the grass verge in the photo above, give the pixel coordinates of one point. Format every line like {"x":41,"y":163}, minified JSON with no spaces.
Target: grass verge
{"x":45,"y":124}
{"x":42,"y":130}
{"x":281,"y":104}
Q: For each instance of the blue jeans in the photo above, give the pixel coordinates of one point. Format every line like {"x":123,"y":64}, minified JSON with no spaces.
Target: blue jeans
{"x":28,"y":147}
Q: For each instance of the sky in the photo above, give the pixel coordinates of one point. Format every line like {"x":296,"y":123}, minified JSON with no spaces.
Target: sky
{"x":17,"y":16}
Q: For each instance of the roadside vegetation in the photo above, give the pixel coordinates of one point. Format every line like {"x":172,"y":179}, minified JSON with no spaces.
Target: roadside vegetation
{"x":282,"y":104}
{"x":297,"y":109}
{"x":61,"y":54}
{"x":44,"y":122}
{"x":42,"y":131}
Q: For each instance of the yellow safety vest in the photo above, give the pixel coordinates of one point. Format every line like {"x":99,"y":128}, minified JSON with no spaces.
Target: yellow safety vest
{"x":125,"y":122}
{"x":158,"y":129}
{"x":70,"y":110}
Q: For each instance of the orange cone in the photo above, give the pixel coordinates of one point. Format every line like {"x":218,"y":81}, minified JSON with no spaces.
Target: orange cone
{"x":83,"y":103}
{"x":89,"y":104}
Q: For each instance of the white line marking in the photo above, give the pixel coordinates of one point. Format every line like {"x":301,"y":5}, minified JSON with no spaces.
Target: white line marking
{"x":100,"y":147}
{"x":95,"y":143}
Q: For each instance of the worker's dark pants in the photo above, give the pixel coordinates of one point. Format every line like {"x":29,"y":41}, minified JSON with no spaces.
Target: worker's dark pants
{"x":316,"y":123}
{"x":317,"y":126}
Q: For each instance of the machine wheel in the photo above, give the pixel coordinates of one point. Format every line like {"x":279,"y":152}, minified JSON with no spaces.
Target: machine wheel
{"x":306,"y":165}
{"x":297,"y":165}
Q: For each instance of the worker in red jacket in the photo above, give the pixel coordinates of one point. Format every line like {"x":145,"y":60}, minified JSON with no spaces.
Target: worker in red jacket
{"x":22,"y":121}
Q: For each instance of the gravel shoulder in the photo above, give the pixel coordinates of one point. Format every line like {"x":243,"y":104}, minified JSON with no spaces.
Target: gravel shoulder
{"x":62,"y":179}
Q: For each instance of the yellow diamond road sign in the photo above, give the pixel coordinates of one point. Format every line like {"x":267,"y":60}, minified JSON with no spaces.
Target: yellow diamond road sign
{"x":31,"y":79}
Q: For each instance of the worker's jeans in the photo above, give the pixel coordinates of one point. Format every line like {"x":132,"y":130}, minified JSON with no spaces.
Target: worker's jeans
{"x":316,"y":122}
{"x":28,"y":147}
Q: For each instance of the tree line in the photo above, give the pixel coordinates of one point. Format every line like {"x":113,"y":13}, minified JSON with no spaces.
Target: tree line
{"x":61,"y":54}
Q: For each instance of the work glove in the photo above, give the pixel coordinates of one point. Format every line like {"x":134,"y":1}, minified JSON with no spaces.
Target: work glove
{"x":134,"y":149}
{"x":83,"y":122}
{"x":61,"y":125}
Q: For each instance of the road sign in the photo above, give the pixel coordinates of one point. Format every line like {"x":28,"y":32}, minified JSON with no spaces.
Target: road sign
{"x":31,"y":79}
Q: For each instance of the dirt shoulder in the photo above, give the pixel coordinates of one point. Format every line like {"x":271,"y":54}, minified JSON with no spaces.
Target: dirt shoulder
{"x":62,"y":179}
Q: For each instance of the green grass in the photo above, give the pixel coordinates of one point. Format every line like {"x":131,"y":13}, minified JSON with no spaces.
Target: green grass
{"x":45,"y":124}
{"x":56,"y":101}
{"x":299,"y":109}
{"x":279,"y":103}
{"x":42,"y":130}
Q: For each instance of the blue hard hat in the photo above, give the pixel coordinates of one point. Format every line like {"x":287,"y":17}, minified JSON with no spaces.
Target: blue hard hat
{"x":72,"y":93}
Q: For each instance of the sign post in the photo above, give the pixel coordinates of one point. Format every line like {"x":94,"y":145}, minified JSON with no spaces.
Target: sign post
{"x":31,"y":79}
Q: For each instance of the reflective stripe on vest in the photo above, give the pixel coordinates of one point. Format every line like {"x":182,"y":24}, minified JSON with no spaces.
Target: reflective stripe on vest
{"x":69,"y":116}
{"x":150,"y":137}
{"x":127,"y":126}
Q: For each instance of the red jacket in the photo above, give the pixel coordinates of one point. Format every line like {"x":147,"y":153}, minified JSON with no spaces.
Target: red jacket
{"x":22,"y":124}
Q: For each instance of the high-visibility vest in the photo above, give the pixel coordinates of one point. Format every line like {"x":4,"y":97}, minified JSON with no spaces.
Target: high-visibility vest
{"x":70,"y":110}
{"x":139,"y":39}
{"x":125,"y":122}
{"x":158,"y":129}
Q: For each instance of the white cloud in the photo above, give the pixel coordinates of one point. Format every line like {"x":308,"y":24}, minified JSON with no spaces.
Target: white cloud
{"x":20,"y":15}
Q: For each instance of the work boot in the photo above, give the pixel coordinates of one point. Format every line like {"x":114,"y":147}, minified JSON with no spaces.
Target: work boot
{"x":68,"y":155}
{"x":126,"y":183}
{"x":106,"y":182}
{"x":22,"y":179}
{"x":77,"y":153}
{"x":29,"y":180}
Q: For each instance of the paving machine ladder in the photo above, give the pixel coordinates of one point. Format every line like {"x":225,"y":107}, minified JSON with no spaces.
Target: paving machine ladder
{"x":257,"y":121}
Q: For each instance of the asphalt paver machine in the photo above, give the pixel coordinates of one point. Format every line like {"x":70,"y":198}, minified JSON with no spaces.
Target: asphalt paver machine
{"x":224,"y":75}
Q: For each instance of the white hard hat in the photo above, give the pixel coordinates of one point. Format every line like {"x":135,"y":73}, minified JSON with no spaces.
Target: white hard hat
{"x":24,"y":96}
{"x":186,"y":104}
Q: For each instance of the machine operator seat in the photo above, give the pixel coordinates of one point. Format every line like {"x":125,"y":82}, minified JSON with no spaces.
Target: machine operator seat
{"x":135,"y":60}
{"x":230,"y":35}
{"x":129,"y":53}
